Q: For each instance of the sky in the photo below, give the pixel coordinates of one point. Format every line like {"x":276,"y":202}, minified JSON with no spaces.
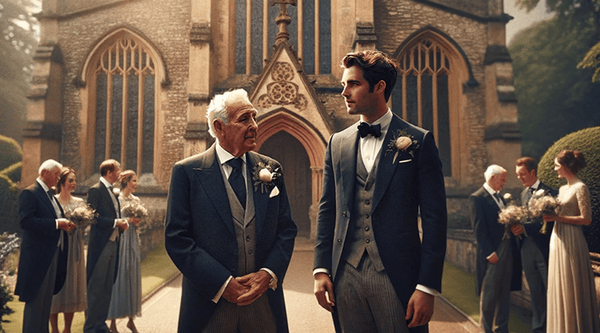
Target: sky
{"x":522,"y":19}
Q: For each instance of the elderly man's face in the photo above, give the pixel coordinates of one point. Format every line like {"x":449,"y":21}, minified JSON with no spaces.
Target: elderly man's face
{"x":239,"y":135}
{"x":497,"y":181}
{"x":50,"y":177}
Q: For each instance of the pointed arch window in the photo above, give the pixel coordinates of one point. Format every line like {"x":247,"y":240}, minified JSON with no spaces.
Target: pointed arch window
{"x":124,"y":77}
{"x":422,"y":93}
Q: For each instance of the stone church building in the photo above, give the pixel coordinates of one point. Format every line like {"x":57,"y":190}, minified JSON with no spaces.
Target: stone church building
{"x":131,"y":80}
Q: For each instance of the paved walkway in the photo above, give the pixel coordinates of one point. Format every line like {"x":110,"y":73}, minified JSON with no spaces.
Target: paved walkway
{"x":160,"y":311}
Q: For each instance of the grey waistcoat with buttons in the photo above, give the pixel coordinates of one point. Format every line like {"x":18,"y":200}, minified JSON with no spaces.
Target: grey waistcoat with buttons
{"x":360,"y":236}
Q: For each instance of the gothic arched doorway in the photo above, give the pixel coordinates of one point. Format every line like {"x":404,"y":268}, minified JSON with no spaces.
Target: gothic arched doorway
{"x":296,"y":166}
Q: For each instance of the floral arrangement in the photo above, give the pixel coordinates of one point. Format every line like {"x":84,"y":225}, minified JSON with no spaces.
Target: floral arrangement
{"x":265,"y":176}
{"x":81,"y":214}
{"x":541,"y":204}
{"x":134,"y":209}
{"x":513,"y":215}
{"x":402,"y":141}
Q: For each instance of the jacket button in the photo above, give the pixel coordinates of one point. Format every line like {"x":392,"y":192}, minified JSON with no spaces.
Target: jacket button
{"x":367,"y":228}
{"x":247,"y":238}
{"x":368,"y":241}
{"x":339,"y":240}
{"x":250,"y":252}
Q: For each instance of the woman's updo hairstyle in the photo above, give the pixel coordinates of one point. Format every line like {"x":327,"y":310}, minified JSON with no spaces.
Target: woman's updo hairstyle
{"x":64,"y":174}
{"x":572,"y":160}
{"x":125,"y":178}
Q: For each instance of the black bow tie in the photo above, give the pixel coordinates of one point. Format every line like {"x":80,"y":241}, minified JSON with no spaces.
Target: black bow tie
{"x":365,"y":129}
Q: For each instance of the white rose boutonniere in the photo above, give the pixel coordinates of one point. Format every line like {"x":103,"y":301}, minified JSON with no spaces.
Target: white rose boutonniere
{"x":402,"y":142}
{"x":265,"y":176}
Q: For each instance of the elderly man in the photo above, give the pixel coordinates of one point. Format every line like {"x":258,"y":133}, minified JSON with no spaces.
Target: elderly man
{"x":43,"y":260}
{"x":498,"y":262}
{"x":229,"y":228}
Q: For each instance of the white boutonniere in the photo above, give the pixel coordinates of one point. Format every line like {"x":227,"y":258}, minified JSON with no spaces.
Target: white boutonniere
{"x":116,"y":191}
{"x":265,"y":176}
{"x":402,"y":142}
{"x":507,"y":196}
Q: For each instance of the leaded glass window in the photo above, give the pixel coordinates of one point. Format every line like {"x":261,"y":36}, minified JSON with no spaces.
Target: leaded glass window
{"x":310,"y":34}
{"x":421,"y":93}
{"x":124,"y":117}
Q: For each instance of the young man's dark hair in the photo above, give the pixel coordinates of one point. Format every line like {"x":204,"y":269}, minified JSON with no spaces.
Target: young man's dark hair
{"x":376,"y":66}
{"x":528,"y":162}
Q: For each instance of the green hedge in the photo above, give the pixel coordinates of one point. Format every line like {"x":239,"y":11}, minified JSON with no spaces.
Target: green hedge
{"x":586,"y":141}
{"x":10,"y":152}
{"x":9,"y":202}
{"x":13,"y":172}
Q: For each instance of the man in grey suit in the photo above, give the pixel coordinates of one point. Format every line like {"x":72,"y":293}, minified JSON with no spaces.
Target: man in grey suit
{"x":535,"y":245}
{"x":372,"y":270}
{"x":229,"y":228}
{"x":102,"y":256}
{"x":498,"y":262}
{"x":43,"y":259}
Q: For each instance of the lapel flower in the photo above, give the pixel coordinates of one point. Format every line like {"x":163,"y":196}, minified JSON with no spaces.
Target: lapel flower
{"x":265,"y":176}
{"x":402,"y":142}
{"x":116,"y":191}
{"x":539,"y":193}
{"x":507,"y":196}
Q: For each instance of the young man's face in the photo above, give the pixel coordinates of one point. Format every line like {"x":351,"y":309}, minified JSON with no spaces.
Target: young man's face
{"x":239,"y":135}
{"x":526,"y":177}
{"x":356,"y":92}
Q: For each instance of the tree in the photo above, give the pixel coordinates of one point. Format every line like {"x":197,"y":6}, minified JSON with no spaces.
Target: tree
{"x":17,"y":46}
{"x":586,"y":11}
{"x":555,"y":98}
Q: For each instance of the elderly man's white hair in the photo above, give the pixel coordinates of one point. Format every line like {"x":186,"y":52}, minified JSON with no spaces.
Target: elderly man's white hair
{"x":217,"y":109}
{"x":493,"y":170}
{"x":49,"y":165}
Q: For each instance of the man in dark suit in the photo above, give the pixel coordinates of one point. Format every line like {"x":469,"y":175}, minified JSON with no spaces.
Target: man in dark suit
{"x":43,"y":259}
{"x":378,"y":178}
{"x":498,"y":262}
{"x":535,"y":245}
{"x":103,"y":247}
{"x":229,"y":228}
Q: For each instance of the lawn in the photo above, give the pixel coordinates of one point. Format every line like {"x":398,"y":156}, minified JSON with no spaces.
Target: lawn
{"x":458,"y":287}
{"x":156,"y":269}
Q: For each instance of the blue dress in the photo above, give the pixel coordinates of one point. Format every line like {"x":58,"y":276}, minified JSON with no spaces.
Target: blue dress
{"x":126,"y":299}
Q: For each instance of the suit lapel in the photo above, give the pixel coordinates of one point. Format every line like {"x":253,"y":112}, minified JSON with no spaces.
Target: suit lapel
{"x":261,"y":200}
{"x":347,"y":154}
{"x":208,"y":173}
{"x":43,"y":196}
{"x":385,"y":169}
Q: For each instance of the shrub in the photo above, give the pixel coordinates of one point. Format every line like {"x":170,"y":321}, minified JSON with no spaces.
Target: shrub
{"x":13,"y":172}
{"x":10,"y":152}
{"x":586,"y":141}
{"x":9,"y":202}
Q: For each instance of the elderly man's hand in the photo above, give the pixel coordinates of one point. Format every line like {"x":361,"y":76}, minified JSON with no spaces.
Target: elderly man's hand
{"x":234,"y":290}
{"x":257,"y":282}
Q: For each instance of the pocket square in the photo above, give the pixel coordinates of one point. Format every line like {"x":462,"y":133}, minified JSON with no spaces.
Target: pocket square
{"x":274,"y":192}
{"x":405,"y":161}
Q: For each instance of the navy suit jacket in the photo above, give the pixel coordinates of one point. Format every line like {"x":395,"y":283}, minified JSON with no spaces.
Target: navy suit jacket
{"x":201,"y":240}
{"x":413,"y":184}
{"x":489,"y":233}
{"x":40,"y":237}
{"x":99,"y":199}
{"x":533,"y":228}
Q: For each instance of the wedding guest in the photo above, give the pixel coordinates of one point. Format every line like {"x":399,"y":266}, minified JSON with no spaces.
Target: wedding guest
{"x":72,"y":297}
{"x":572,"y":305}
{"x":126,"y":299}
{"x":43,"y":259}
{"x":496,"y":253}
{"x":103,"y":246}
{"x":535,"y":244}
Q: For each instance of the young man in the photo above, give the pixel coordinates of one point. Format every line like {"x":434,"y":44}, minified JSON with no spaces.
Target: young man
{"x":380,"y":175}
{"x":535,"y":245}
{"x":231,"y":239}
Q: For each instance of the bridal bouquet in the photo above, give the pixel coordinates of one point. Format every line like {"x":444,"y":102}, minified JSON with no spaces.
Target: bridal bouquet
{"x":81,"y":214}
{"x":513,"y":215}
{"x":541,"y":204}
{"x":134,"y":209}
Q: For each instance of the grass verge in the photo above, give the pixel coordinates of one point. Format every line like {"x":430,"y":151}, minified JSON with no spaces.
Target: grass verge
{"x":459,"y":288}
{"x":156,"y":269}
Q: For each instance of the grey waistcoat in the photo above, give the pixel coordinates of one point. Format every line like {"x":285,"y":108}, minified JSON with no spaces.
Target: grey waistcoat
{"x":244,"y":223}
{"x":360,"y":236}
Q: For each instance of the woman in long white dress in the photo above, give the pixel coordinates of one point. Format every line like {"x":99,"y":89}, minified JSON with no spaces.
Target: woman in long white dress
{"x":572,"y":303}
{"x":72,"y":297}
{"x":126,"y":299}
